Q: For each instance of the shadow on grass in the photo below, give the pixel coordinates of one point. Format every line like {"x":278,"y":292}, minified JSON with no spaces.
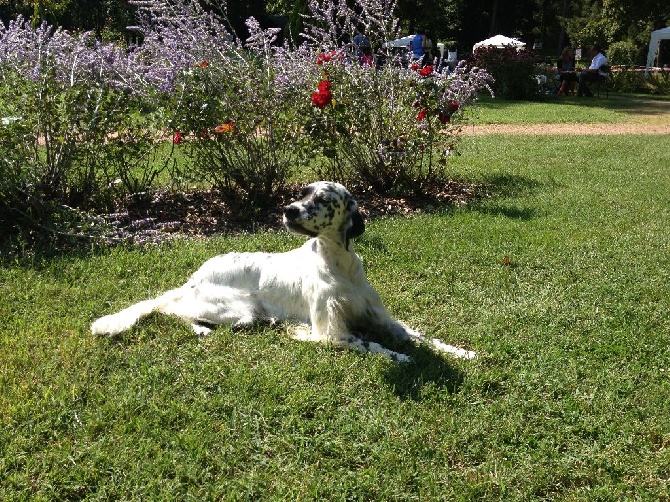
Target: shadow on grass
{"x":426,"y":368}
{"x":503,"y":187}
{"x":516,"y":213}
{"x":438,"y":197}
{"x":510,"y":185}
{"x":407,"y":380}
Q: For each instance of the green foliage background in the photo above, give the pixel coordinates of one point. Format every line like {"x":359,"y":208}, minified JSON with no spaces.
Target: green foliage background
{"x":464,"y":22}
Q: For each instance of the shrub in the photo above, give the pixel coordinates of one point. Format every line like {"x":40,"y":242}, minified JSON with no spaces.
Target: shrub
{"x":623,"y":54}
{"x":390,"y":128}
{"x":513,"y":71}
{"x":75,"y":141}
{"x":387,"y":128}
{"x":238,"y":118}
{"x":630,"y":80}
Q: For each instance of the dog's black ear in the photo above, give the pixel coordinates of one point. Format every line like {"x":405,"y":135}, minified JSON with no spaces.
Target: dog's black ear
{"x":357,"y":225}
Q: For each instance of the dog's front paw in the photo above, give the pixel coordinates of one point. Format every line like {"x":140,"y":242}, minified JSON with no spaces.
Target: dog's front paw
{"x":454,"y":351}
{"x":401,"y":358}
{"x":303,"y":333}
{"x":201,"y":330}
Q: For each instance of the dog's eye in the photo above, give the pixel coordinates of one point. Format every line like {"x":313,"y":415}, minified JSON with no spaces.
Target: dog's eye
{"x":323,"y":199}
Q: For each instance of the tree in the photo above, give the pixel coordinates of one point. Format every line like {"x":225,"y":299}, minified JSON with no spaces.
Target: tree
{"x":609,"y":21}
{"x":441,"y":19}
{"x":295,"y":21}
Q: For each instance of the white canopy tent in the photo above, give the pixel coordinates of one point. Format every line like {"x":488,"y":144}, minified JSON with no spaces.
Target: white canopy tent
{"x":654,"y":44}
{"x":499,"y":41}
{"x":400,"y":42}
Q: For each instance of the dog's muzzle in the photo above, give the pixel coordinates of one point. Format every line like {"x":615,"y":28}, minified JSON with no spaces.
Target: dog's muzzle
{"x":293,"y":220}
{"x":291,"y":213}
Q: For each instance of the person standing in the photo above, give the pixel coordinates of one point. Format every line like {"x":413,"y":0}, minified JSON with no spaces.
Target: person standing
{"x":418,"y":46}
{"x":361,"y":43}
{"x":593,"y":73}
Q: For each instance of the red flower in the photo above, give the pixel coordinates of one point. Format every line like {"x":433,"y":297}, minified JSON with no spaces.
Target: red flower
{"x":422,"y":115}
{"x":444,"y":117}
{"x":325,"y":58}
{"x":426,"y":71}
{"x":204,"y":64}
{"x":324,"y":86}
{"x":452,"y":106}
{"x":415,"y":67}
{"x":177,"y":138}
{"x":322,"y":97}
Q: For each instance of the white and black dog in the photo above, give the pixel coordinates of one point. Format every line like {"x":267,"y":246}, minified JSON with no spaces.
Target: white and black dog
{"x":320,"y":285}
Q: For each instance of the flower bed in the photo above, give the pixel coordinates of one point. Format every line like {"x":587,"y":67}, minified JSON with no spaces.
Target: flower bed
{"x":193,"y":106}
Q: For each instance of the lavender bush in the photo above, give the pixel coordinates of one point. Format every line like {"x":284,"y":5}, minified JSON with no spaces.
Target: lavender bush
{"x":246,"y":116}
{"x":74,"y":99}
{"x":236,"y":115}
{"x":390,"y":127}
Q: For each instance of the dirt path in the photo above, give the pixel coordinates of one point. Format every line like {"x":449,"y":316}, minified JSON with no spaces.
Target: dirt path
{"x":569,"y":129}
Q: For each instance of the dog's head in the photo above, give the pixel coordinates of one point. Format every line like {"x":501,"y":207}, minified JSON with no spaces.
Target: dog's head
{"x":325,"y":208}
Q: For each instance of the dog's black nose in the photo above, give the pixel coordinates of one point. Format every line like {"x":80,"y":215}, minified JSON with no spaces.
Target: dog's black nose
{"x":291,"y":212}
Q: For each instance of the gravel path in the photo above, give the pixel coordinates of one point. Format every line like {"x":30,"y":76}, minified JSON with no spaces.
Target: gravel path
{"x":570,"y":129}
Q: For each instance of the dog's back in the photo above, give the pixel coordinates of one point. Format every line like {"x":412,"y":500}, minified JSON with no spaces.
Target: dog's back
{"x":233,"y":289}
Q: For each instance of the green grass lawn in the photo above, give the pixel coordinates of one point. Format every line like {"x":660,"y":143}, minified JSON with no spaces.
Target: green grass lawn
{"x":570,"y":110}
{"x":569,"y":399}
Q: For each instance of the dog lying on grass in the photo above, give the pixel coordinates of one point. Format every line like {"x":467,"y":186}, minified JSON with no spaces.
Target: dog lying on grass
{"x":320,"y":285}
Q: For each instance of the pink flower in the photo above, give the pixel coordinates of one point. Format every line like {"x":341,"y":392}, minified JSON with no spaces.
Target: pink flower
{"x":367,"y":60}
{"x":177,"y":138}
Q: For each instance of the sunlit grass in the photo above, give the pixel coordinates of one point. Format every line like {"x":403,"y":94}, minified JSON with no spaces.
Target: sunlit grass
{"x":566,"y":401}
{"x":566,"y":110}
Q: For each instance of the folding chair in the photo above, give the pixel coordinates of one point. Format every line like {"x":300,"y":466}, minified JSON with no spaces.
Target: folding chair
{"x":604,"y":83}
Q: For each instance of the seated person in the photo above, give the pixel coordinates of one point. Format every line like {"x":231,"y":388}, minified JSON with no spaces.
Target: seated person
{"x":366,"y":58}
{"x":593,"y":73}
{"x":566,"y":71}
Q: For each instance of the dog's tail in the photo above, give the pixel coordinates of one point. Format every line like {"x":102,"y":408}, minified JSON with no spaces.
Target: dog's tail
{"x":116,"y":323}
